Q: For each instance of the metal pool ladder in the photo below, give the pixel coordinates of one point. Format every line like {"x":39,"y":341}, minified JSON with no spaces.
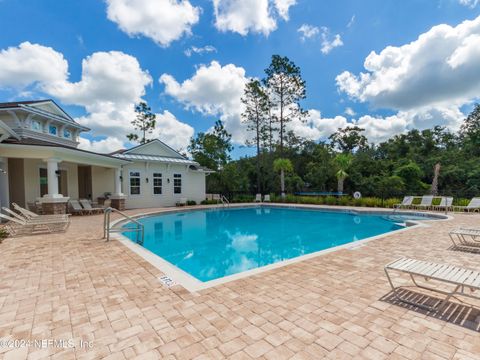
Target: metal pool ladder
{"x":107,"y":229}
{"x":224,"y":201}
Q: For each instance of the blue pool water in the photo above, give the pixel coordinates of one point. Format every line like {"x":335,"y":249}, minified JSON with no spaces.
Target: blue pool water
{"x":210,"y":244}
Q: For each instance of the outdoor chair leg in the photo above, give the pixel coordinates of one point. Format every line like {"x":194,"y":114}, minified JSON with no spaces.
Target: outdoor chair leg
{"x":435,"y":308}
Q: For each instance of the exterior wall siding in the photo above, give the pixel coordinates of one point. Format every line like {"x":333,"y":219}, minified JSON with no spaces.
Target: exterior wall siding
{"x":102,"y":181}
{"x":193,"y":185}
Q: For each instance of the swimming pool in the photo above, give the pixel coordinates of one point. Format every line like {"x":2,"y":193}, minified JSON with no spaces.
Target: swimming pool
{"x":210,"y":244}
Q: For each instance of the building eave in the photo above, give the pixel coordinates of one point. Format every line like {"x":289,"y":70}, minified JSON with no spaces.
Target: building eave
{"x":79,"y":156}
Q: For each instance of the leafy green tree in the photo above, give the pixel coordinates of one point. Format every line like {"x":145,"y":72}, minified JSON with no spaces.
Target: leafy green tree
{"x":256,"y":116}
{"x":286,"y":89}
{"x":411,"y":175}
{"x":212,"y":149}
{"x":470,"y":131}
{"x":349,"y":139}
{"x":342,"y":162}
{"x":282,"y":166}
{"x":145,"y":122}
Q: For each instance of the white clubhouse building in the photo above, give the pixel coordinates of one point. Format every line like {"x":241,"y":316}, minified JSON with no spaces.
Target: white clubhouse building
{"x":41,"y":164}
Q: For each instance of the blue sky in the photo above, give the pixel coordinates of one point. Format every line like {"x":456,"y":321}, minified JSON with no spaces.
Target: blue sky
{"x":125,"y":50}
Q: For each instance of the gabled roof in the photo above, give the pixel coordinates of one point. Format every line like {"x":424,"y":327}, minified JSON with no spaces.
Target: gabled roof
{"x":141,"y":149}
{"x":35,"y":106}
{"x":18,"y":103}
{"x":6,"y":132}
{"x":35,"y":103}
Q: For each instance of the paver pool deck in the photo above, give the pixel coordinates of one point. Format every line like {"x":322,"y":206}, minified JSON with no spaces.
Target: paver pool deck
{"x":338,"y":305}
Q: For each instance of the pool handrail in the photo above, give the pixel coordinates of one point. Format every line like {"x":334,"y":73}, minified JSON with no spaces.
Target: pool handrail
{"x":107,"y":229}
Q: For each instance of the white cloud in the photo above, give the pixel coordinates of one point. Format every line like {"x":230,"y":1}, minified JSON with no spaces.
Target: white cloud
{"x":349,"y":111}
{"x":283,"y":7}
{"x":469,"y":3}
{"x":107,"y":145}
{"x":308,"y":31}
{"x":163,"y":21}
{"x":328,"y":42}
{"x":107,"y":78}
{"x":317,"y":128}
{"x":110,"y":86}
{"x":244,"y":16}
{"x":172,"y":131}
{"x":378,"y":128}
{"x":31,"y":64}
{"x":351,"y":22}
{"x":213,"y":90}
{"x":440,"y":68}
{"x":199,"y":50}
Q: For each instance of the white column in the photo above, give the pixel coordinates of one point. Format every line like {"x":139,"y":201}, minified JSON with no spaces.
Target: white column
{"x":118,"y":183}
{"x":52,"y":178}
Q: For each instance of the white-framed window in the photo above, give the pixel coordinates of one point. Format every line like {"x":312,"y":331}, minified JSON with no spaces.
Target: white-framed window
{"x":36,"y":125}
{"x":177,"y":183}
{"x":134,"y":182}
{"x":67,"y":133}
{"x":52,"y":130}
{"x":157,"y":183}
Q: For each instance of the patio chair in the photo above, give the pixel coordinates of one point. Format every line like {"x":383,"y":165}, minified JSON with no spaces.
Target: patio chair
{"x":258,"y":198}
{"x":460,"y":278}
{"x":445,"y":204}
{"x":182,"y":202}
{"x":466,"y":238}
{"x":16,"y":226}
{"x":76,"y":208}
{"x":87,"y":206}
{"x":426,"y":202}
{"x":406,"y":202}
{"x":29,"y":215}
{"x":473,"y":205}
{"x":266,"y":198}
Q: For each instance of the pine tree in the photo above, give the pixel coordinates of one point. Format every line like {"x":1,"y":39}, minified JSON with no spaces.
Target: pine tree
{"x":145,"y":122}
{"x":256,"y":116}
{"x":286,"y":89}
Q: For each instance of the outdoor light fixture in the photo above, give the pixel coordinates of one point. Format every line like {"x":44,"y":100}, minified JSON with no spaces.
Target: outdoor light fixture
{"x":168,"y":181}
{"x":57,"y":172}
{"x":121,"y":178}
{"x":146,"y":180}
{"x":2,"y":171}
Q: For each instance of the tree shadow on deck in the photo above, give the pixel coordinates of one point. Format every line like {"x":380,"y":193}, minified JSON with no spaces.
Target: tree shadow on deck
{"x":455,"y":312}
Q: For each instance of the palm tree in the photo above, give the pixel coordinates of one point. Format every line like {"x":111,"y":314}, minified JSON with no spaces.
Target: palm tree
{"x":282,"y":166}
{"x":343,"y":162}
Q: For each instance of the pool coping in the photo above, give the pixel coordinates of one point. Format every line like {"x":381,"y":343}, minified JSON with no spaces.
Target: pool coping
{"x":192,"y":284}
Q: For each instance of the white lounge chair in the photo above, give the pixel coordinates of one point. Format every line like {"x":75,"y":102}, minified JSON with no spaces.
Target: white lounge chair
{"x":182,"y":202}
{"x":266,"y":198}
{"x":445,"y":204}
{"x":426,"y":202}
{"x":258,"y":198}
{"x":76,"y":208}
{"x":29,"y":215}
{"x":460,"y":278}
{"x":466,"y":238}
{"x":473,"y":205}
{"x":87,"y":206}
{"x":16,"y":226}
{"x":406,"y":202}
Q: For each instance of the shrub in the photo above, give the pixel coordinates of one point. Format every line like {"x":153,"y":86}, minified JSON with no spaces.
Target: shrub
{"x":3,"y":234}
{"x":209,"y":202}
{"x":242,"y":198}
{"x":191,"y":202}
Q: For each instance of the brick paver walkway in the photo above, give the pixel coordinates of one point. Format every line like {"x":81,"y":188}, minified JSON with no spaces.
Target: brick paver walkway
{"x":339,"y":306}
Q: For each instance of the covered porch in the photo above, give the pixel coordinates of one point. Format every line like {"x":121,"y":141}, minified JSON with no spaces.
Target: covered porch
{"x":49,"y":176}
